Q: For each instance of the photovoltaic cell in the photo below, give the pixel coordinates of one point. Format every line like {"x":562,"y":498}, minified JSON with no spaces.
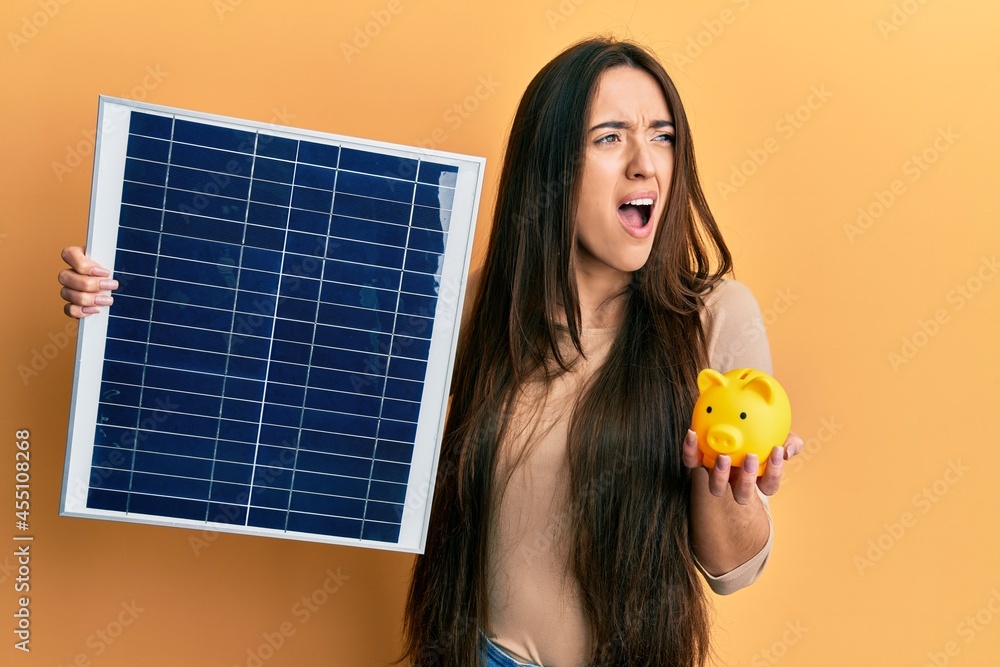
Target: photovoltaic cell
{"x":277,"y":358}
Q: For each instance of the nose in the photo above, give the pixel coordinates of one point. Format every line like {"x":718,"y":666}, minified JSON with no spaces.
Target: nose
{"x":724,"y":438}
{"x":641,"y":164}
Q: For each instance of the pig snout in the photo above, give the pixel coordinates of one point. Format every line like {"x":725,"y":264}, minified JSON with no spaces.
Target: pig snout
{"x":724,"y":438}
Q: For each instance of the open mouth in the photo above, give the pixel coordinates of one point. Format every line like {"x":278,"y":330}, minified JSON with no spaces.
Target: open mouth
{"x":637,"y":212}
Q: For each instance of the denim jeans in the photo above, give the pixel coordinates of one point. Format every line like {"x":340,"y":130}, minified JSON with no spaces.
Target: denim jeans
{"x":496,"y":657}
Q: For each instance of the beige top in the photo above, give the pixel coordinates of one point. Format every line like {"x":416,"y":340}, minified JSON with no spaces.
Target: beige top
{"x":535,"y":609}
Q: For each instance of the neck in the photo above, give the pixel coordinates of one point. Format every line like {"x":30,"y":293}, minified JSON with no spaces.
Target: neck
{"x":600,"y":293}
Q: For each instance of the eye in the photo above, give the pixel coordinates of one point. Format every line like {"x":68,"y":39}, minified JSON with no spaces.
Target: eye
{"x":665,"y":138}
{"x":608,"y":138}
{"x":743,"y":415}
{"x":709,"y":410}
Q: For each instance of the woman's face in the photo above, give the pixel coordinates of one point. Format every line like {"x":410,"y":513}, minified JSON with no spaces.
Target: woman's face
{"x":628,"y":163}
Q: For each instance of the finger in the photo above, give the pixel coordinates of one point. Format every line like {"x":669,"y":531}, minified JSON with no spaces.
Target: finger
{"x":792,"y":445}
{"x":77,"y":259}
{"x":718,"y":480}
{"x":771,"y":479}
{"x":746,"y":480}
{"x":83,"y":283}
{"x":84,"y":299}
{"x":691,"y":456}
{"x":79,"y":312}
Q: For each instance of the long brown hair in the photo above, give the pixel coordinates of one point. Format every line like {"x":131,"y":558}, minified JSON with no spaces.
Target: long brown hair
{"x":629,"y":494}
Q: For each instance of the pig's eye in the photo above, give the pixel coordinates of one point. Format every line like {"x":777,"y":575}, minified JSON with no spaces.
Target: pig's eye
{"x":743,"y":415}
{"x":709,"y":410}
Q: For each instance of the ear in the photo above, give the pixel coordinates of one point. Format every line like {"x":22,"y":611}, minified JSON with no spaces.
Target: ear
{"x":709,"y":378}
{"x":763,"y":386}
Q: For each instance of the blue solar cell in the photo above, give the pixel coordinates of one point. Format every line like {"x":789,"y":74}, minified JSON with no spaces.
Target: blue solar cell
{"x":361,"y":274}
{"x":376,"y":187}
{"x":273,"y":170}
{"x":225,"y":513}
{"x":130,"y":351}
{"x":115,"y":458}
{"x":164,"y":505}
{"x":211,"y":159}
{"x":267,"y":215}
{"x":316,"y":153}
{"x":328,"y":505}
{"x":367,"y":230}
{"x":235,"y":473}
{"x":437,"y":174}
{"x":379,"y":164}
{"x":434,"y":197}
{"x":235,"y":452}
{"x":262,"y":259}
{"x":267,"y":192}
{"x":265,"y":496}
{"x":279,"y":371}
{"x":309,"y":221}
{"x":324,"y":525}
{"x":315,"y":177}
{"x":262,"y":237}
{"x":208,"y":182}
{"x":372,"y":209}
{"x":366,"y":253}
{"x":420,"y":283}
{"x":423,"y":262}
{"x":413,"y":326}
{"x":224,"y":492}
{"x":140,"y":194}
{"x":430,"y":218}
{"x":390,"y":472}
{"x":124,"y":373}
{"x":406,"y":390}
{"x":248,"y":368}
{"x":399,"y":452}
{"x":203,"y":134}
{"x":386,"y":512}
{"x":138,"y":240}
{"x":248,"y":411}
{"x":279,"y":147}
{"x":143,"y":148}
{"x":311,"y":199}
{"x":120,"y":394}
{"x":141,"y":171}
{"x":128,"y":329}
{"x":387,"y":491}
{"x":151,"y":125}
{"x":401,"y":410}
{"x":380,"y":532}
{"x":197,"y":227}
{"x":139,"y":217}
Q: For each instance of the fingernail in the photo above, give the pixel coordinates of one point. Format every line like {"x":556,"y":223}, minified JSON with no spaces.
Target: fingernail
{"x":100,"y":272}
{"x":103,"y":300}
{"x":90,"y":310}
{"x":750,"y":463}
{"x":777,"y":455}
{"x":108,"y":284}
{"x":722,"y":463}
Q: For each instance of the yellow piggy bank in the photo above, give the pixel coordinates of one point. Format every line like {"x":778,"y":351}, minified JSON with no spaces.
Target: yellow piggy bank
{"x":742,"y":412}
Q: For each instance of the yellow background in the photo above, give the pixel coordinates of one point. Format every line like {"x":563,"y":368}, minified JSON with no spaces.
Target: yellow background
{"x":887,"y":532}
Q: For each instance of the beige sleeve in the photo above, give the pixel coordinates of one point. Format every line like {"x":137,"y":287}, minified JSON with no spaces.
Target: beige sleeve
{"x":736,"y":338}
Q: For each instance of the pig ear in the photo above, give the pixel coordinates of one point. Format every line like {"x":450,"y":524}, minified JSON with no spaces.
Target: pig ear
{"x":763,"y":386}
{"x":709,"y":378}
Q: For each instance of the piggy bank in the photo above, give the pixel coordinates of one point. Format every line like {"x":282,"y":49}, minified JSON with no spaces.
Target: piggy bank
{"x":742,"y":412}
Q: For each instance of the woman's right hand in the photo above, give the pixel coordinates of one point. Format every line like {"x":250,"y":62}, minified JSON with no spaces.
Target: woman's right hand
{"x":86,"y":285}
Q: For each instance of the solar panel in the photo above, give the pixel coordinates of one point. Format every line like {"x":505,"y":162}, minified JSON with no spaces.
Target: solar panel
{"x":278,"y":355}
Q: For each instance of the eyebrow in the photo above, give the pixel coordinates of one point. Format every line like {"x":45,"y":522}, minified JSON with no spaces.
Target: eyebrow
{"x":622,"y":125}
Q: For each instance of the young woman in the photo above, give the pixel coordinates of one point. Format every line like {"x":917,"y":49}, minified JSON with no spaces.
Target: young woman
{"x":572,"y":519}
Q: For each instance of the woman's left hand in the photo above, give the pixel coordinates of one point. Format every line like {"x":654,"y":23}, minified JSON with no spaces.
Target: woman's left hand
{"x":742,"y":480}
